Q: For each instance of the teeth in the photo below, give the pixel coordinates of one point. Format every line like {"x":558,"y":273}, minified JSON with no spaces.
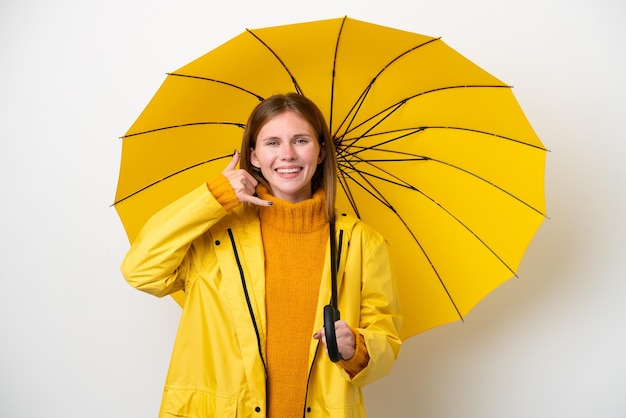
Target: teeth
{"x":287,"y":170}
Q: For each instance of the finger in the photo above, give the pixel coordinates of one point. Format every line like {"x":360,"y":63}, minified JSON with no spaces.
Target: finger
{"x":346,"y":340}
{"x":343,"y":332}
{"x":242,"y":182}
{"x":257,"y":201}
{"x":233,"y":162}
{"x":341,"y":327}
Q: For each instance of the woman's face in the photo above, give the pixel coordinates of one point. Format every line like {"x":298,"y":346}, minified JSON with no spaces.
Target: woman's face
{"x":287,"y":152}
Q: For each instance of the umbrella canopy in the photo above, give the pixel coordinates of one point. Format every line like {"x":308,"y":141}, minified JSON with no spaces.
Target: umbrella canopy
{"x":433,"y":151}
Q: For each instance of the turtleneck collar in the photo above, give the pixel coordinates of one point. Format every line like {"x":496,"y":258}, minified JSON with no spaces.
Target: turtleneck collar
{"x":305,"y":216}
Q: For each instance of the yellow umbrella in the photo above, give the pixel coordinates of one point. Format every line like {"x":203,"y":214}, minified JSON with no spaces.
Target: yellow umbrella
{"x":433,"y":151}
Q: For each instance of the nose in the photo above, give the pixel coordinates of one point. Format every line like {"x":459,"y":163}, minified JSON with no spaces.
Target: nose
{"x":287,"y":151}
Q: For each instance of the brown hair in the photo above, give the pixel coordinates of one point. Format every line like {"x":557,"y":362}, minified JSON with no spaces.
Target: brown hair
{"x":326,"y":173}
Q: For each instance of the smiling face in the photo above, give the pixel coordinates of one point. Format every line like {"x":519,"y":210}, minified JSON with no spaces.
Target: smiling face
{"x":287,"y":152}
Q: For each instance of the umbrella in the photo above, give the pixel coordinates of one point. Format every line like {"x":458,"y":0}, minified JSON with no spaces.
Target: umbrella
{"x":434,"y":152}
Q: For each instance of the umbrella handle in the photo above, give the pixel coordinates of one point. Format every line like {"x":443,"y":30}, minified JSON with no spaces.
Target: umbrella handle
{"x":331,"y":314}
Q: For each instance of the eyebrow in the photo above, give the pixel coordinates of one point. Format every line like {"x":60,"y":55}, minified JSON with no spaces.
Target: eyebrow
{"x":274,"y":137}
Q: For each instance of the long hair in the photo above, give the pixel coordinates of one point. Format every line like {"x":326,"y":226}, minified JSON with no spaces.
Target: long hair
{"x":326,"y":173}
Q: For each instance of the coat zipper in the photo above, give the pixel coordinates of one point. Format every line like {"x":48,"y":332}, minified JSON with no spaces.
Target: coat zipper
{"x":250,"y":310}
{"x":247,"y":295}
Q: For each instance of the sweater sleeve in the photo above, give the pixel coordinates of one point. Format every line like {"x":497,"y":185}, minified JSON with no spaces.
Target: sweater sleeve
{"x":223,"y":192}
{"x":360,"y":358}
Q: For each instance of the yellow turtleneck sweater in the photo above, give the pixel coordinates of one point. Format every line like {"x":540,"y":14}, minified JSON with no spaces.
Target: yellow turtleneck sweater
{"x":295,"y":238}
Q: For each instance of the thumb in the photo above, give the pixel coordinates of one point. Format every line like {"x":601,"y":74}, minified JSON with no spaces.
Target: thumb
{"x":319,"y":335}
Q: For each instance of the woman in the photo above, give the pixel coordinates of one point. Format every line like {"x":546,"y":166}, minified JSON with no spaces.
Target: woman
{"x":250,"y":250}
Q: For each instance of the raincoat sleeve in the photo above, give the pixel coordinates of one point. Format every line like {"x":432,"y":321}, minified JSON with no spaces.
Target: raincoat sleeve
{"x":157,"y":261}
{"x":380,"y":317}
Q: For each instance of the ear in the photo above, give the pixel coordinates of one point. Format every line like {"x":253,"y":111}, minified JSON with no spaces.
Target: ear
{"x":253,"y":159}
{"x":322,"y":155}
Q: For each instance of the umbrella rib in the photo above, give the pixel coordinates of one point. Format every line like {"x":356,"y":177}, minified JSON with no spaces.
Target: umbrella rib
{"x":239,"y":125}
{"x":390,"y":111}
{"x":478,"y":131}
{"x":359,"y":102}
{"x":348,"y":193}
{"x":412,"y":131}
{"x":378,"y":197}
{"x":293,"y":79}
{"x":405,"y":184}
{"x":419,"y":129}
{"x":332,"y":84}
{"x":358,"y":108}
{"x":415,"y":157}
{"x":392,"y":108}
{"x":169,"y":176}
{"x":501,"y":189}
{"x":213,"y":80}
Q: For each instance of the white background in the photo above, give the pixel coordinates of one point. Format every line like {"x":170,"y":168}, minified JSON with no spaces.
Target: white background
{"x":77,"y":341}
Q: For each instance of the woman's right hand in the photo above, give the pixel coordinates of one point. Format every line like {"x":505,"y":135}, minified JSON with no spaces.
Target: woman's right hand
{"x":243,"y":183}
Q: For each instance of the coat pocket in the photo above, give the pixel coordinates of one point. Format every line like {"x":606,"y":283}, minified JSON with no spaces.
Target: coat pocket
{"x":198,"y":403}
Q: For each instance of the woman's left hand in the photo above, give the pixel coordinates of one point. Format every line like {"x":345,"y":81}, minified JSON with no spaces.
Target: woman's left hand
{"x":346,"y":341}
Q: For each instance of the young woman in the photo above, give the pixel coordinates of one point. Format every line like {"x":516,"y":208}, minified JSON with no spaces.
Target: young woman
{"x":251,"y":251}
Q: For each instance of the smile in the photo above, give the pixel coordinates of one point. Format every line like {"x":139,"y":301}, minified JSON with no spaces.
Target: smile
{"x":288,"y":170}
